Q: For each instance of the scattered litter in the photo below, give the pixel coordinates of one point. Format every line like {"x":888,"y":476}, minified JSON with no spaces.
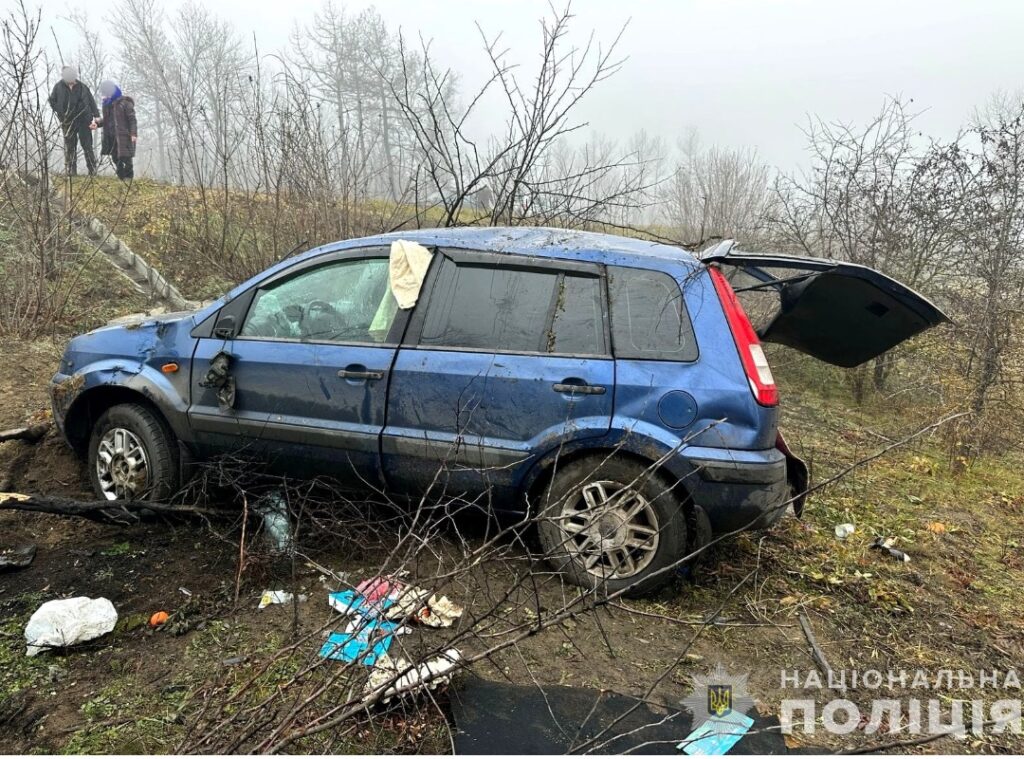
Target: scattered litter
{"x":409,"y":603}
{"x":395,"y":600}
{"x":937,"y":527}
{"x":439,"y":612}
{"x":277,"y":597}
{"x":886,"y":544}
{"x":185,"y":591}
{"x":56,"y":673}
{"x":159,"y":618}
{"x":429,"y":675}
{"x":274,"y":511}
{"x":17,"y":558}
{"x":845,"y":530}
{"x":364,"y":640}
{"x":351,"y":602}
{"x":232,"y":661}
{"x":57,"y":624}
{"x":376,"y":588}
{"x":715,"y":736}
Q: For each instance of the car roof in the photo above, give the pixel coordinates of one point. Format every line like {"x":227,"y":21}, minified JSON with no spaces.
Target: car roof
{"x":548,"y":242}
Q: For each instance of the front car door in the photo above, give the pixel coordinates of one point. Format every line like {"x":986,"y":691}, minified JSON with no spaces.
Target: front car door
{"x":506,"y":358}
{"x":310,"y":361}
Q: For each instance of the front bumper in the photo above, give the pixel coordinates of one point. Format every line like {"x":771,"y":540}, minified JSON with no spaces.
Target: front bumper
{"x":64,"y":389}
{"x":740,"y":490}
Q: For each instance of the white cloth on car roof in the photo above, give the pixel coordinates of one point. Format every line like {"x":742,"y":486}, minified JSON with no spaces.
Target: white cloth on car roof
{"x":407,"y":266}
{"x":409,"y":263}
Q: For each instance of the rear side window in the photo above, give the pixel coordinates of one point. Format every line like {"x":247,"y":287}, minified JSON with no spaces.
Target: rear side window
{"x":649,"y":318}
{"x":578,"y":324}
{"x":503,"y":308}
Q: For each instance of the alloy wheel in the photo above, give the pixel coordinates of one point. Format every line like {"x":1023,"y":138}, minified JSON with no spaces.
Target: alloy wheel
{"x":611,"y":529}
{"x":122,"y":466}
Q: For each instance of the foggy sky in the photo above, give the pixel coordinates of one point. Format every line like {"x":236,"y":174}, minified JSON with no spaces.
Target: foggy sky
{"x":742,"y":72}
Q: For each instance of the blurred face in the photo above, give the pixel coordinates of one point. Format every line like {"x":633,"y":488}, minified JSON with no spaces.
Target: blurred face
{"x":69,"y":76}
{"x":107,"y":89}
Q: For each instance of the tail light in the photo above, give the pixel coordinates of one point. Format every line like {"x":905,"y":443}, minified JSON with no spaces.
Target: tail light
{"x":759,"y":374}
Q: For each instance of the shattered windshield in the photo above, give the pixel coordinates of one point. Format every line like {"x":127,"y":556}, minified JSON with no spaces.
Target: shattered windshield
{"x":347,"y":301}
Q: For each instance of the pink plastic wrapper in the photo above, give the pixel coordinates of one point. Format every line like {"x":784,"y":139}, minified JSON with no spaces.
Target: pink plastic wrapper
{"x":376,"y":589}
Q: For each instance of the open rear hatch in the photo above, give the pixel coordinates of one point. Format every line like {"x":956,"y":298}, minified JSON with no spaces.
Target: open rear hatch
{"x":840,"y":313}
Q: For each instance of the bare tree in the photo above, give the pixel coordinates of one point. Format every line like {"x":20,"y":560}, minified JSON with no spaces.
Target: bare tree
{"x":867,"y":199}
{"x":982,"y":181}
{"x":716,"y":193}
{"x":526,"y":174}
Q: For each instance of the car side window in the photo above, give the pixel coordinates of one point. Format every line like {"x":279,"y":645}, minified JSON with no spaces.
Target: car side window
{"x":649,"y":317}
{"x":344,"y":301}
{"x":578,"y":324}
{"x":505,"y":308}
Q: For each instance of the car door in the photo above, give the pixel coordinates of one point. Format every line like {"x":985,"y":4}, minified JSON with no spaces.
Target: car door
{"x":840,"y":313}
{"x":309,"y":359}
{"x":505,"y":358}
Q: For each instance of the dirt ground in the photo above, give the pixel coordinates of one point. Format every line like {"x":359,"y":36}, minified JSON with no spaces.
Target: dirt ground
{"x":956,"y":605}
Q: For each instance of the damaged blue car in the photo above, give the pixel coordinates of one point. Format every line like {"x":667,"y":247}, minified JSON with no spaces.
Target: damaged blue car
{"x":614,"y":388}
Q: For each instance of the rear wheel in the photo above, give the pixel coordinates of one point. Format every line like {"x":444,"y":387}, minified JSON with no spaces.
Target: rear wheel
{"x":132,"y":455}
{"x":612,"y":524}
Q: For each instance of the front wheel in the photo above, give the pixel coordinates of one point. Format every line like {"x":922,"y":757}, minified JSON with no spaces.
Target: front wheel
{"x":612,"y":524}
{"x":132,"y":455}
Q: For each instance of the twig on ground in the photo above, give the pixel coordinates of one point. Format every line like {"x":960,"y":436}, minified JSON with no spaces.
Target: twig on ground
{"x":119,"y":512}
{"x":31,"y":434}
{"x":816,"y":653}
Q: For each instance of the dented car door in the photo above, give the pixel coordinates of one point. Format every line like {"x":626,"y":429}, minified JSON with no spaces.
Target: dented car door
{"x":309,"y":362}
{"x":503,"y":361}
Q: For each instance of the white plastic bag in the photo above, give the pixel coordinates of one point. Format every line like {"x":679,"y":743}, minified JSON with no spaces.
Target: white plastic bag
{"x":277,"y":597}
{"x":428,"y":675}
{"x":56,"y":624}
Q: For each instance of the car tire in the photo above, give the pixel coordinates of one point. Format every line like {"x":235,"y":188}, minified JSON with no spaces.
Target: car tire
{"x":133,"y":455}
{"x":612,"y":524}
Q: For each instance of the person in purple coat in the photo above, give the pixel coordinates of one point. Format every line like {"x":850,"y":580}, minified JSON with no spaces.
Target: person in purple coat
{"x":120,"y":131}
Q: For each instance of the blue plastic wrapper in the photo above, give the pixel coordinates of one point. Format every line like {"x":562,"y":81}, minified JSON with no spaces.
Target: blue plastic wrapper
{"x":369,"y":641}
{"x":717,"y":735}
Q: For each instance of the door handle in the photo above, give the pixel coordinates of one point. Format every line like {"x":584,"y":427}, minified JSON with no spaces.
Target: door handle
{"x":578,"y":388}
{"x":356,"y":372}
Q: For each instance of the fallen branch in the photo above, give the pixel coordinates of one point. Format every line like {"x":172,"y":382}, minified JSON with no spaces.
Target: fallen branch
{"x":816,"y":653}
{"x":119,"y":512}
{"x":32,"y":434}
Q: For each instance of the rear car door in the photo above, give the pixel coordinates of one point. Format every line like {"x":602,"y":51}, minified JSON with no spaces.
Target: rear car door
{"x":505,"y":358}
{"x":841,"y":313}
{"x":310,"y":359}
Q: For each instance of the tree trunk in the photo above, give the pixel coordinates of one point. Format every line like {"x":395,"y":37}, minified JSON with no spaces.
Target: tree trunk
{"x":161,"y":142}
{"x":881,"y":371}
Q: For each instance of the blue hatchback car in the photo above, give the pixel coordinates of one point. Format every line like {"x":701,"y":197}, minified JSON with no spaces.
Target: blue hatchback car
{"x":614,"y":388}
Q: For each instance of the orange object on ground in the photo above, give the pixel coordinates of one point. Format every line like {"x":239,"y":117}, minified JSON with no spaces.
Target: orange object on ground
{"x":159,"y":618}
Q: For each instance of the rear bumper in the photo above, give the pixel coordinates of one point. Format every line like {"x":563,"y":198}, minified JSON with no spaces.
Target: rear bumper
{"x":739,"y":490}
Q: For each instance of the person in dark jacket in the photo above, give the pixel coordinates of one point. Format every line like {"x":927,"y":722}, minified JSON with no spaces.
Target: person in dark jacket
{"x":75,"y":107}
{"x":120,"y":132}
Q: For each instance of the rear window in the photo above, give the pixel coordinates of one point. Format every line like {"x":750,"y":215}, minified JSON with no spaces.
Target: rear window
{"x":503,"y":308}
{"x":649,"y":318}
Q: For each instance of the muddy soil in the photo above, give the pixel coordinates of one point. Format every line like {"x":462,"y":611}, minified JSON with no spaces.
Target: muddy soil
{"x":83,"y":700}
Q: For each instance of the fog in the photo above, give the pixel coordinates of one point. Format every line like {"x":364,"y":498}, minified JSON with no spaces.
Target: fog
{"x":740,"y":72}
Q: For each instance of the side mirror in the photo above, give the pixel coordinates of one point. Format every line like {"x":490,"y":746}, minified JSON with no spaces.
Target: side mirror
{"x":225,"y":328}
